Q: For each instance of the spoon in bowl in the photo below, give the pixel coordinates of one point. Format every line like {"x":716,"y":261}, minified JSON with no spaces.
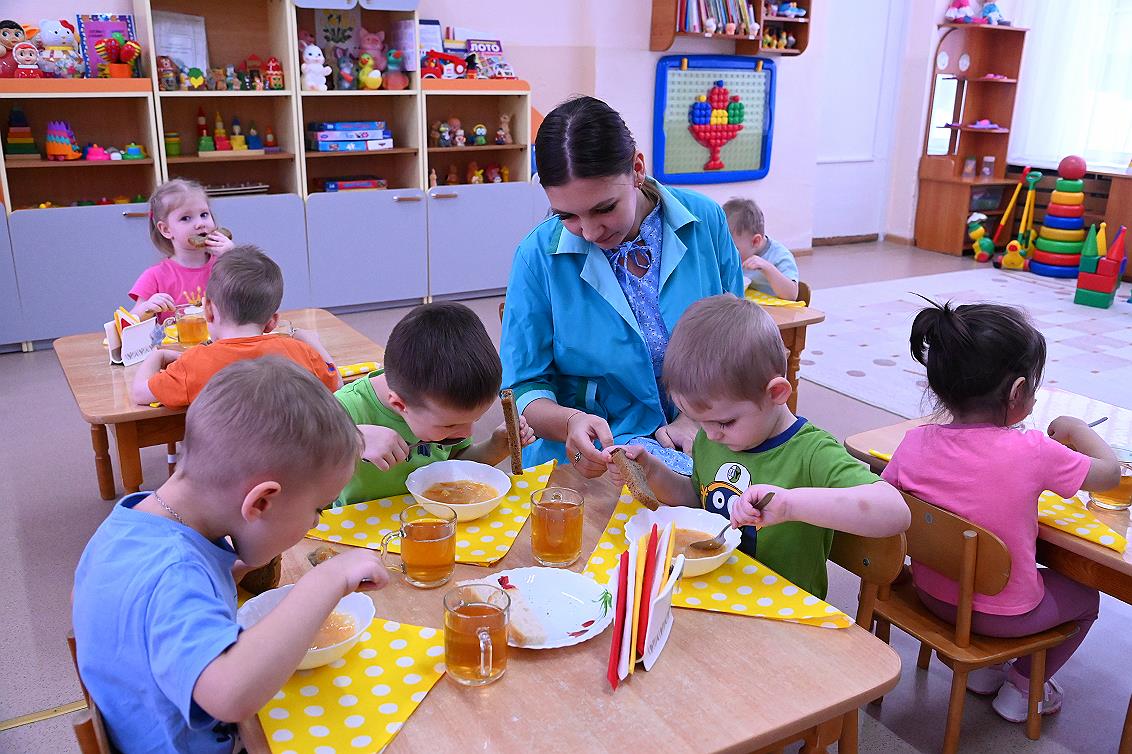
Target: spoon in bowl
{"x":716,"y":542}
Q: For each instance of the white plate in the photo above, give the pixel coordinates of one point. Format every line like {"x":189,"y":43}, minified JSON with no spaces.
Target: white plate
{"x":573,"y":608}
{"x":685,"y":517}
{"x":453,"y":471}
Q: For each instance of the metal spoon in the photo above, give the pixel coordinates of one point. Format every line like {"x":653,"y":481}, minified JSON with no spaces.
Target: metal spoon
{"x":716,"y":542}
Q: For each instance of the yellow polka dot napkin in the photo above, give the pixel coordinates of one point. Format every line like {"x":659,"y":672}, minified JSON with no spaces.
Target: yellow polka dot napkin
{"x":357,"y":703}
{"x":481,"y":542}
{"x":765,"y":299}
{"x":1071,"y":516}
{"x":741,"y":586}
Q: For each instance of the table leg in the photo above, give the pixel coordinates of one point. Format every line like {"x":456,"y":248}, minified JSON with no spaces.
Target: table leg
{"x":102,"y":466}
{"x":171,"y":456}
{"x":129,"y":455}
{"x":847,"y":743}
{"x":795,"y":341}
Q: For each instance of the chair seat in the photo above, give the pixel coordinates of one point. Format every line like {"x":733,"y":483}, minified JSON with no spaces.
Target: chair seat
{"x":904,"y":609}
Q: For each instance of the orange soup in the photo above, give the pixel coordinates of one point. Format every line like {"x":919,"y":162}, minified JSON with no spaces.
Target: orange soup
{"x":461,"y":492}
{"x":685,"y":537}
{"x":338,"y":627}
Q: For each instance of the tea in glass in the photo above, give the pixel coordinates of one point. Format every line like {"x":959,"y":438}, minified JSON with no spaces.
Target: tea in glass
{"x":475,"y":633}
{"x":556,"y":526}
{"x":192,"y":330}
{"x":1119,"y":497}
{"x":428,"y":545}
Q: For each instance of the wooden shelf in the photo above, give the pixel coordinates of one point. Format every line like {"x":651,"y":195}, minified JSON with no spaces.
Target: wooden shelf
{"x":784,"y":20}
{"x":476,"y":86}
{"x":711,"y":35}
{"x":666,"y":20}
{"x":17,"y":164}
{"x":981,"y":27}
{"x":480,"y":148}
{"x":75,"y":86}
{"x":976,"y":181}
{"x":226,"y":93}
{"x":972,"y":129}
{"x":359,"y":93}
{"x":787,"y":51}
{"x":233,"y":156}
{"x":981,"y":80}
{"x":394,"y":150}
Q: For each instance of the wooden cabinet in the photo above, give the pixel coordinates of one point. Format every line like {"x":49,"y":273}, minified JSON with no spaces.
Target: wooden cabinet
{"x":11,"y":318}
{"x":367,"y":247}
{"x":666,"y":27}
{"x":277,"y":224}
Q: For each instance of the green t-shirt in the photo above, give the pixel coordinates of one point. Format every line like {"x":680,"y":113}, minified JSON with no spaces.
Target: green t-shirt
{"x":802,"y":456}
{"x":370,"y":482}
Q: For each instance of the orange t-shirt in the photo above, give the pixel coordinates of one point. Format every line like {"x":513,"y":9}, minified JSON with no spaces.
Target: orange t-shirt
{"x":180,"y":382}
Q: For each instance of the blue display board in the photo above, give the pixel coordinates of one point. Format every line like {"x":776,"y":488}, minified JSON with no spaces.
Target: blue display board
{"x":734,"y":88}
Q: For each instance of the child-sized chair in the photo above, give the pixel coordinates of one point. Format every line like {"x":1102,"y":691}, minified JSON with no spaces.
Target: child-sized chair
{"x":89,"y":730}
{"x":979,"y":562}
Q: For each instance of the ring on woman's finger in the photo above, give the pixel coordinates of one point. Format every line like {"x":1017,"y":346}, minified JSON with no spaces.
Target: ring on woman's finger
{"x":577,"y":457}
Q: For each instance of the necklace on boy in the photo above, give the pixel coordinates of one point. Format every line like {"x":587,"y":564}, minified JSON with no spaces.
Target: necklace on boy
{"x":168,"y":510}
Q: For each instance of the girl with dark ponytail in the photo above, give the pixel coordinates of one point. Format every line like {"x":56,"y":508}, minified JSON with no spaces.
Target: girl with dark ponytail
{"x":596,"y":289}
{"x":984,"y":364}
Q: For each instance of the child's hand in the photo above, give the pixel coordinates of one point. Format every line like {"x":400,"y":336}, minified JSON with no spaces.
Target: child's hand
{"x":680,"y":434}
{"x":382,"y":446}
{"x":636,"y":453}
{"x":1066,"y":429}
{"x":158,"y":302}
{"x":168,"y":355}
{"x":755,"y":262}
{"x":217,"y":244}
{"x":310,"y":337}
{"x":357,"y":567}
{"x":526,"y":434}
{"x":743,"y":511}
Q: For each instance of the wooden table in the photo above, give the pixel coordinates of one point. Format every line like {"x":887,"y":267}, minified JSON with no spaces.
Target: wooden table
{"x":102,"y":392}
{"x":1086,"y":562}
{"x":725,"y":683}
{"x":792,"y":322}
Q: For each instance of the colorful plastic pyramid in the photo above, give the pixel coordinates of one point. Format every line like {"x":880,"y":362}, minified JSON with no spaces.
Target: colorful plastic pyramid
{"x":20,"y":144}
{"x":61,"y":143}
{"x":1057,"y":250}
{"x":1100,"y":268}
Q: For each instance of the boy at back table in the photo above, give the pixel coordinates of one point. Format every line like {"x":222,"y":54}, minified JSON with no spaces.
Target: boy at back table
{"x":266,"y":449}
{"x":241,"y":307}
{"x":441,"y":374}
{"x":725,"y":368}
{"x":769,"y":264}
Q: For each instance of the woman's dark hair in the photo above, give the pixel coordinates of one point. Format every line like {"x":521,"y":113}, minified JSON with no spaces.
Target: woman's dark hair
{"x":583,"y":138}
{"x":975,"y":352}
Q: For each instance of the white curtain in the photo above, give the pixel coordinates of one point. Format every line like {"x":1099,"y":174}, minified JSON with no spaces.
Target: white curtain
{"x":1075,"y":87}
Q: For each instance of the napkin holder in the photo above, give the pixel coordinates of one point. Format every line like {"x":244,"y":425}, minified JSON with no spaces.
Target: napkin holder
{"x":660,"y":617}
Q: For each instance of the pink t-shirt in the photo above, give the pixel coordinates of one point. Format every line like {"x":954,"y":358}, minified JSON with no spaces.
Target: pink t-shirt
{"x":993,"y":477}
{"x":178,"y":281}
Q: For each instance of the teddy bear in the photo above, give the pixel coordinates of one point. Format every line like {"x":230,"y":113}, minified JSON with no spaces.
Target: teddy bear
{"x":314,"y":69}
{"x":59,"y":58}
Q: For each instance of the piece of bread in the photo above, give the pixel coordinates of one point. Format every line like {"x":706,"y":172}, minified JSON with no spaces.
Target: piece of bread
{"x":200,"y":239}
{"x":524,"y":627}
{"x":321,"y":554}
{"x":635,"y":479}
{"x":514,"y":436}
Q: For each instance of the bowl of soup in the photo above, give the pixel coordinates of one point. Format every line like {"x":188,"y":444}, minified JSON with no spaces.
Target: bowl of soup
{"x":692,"y":525}
{"x":471,"y":489}
{"x":337,"y":635}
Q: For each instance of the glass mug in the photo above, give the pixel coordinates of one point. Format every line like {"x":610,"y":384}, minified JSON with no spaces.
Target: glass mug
{"x":192,"y":330}
{"x":475,"y":633}
{"x":1119,"y":497}
{"x":556,"y":526}
{"x":428,"y":545}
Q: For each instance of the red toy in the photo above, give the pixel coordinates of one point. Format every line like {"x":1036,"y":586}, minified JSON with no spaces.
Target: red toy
{"x":714,"y":120}
{"x":26,"y":56}
{"x":1071,"y":168}
{"x":441,"y":65}
{"x":118,"y":54}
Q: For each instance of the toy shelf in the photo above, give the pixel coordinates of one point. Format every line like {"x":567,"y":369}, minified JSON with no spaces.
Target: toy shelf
{"x":982,"y":27}
{"x":90,"y":87}
{"x":374,"y":153}
{"x":45,"y":163}
{"x":232,"y":156}
{"x":664,"y":31}
{"x":714,"y":35}
{"x":372,"y":21}
{"x":478,"y":148}
{"x":475,"y":86}
{"x":359,"y":93}
{"x":785,"y":20}
{"x":444,"y":104}
{"x":209,"y":93}
{"x":980,"y":80}
{"x":976,"y":130}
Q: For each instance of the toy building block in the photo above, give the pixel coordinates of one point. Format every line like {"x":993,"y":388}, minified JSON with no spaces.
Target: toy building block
{"x":1092,"y":298}
{"x":1108,"y":266}
{"x":1088,"y":264}
{"x":1089,"y":247}
{"x":1092,"y":281}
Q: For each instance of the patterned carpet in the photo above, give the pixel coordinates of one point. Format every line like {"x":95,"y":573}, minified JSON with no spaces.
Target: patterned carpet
{"x":861,"y":350}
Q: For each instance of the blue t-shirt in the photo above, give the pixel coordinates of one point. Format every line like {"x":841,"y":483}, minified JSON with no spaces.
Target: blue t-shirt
{"x":154,"y":604}
{"x":781,"y":258}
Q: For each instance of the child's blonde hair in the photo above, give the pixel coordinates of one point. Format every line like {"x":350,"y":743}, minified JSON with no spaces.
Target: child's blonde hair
{"x":246,"y":286}
{"x":164,"y":199}
{"x":723,"y":347}
{"x":745,"y":215}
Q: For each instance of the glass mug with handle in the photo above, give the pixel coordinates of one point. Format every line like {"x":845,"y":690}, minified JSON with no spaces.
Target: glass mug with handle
{"x":556,"y":526}
{"x":1119,"y":497}
{"x":192,"y":329}
{"x":428,"y":545}
{"x":475,"y":633}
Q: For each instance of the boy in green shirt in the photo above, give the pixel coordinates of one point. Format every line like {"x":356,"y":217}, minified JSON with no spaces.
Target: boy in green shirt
{"x":441,"y":374}
{"x":725,"y":368}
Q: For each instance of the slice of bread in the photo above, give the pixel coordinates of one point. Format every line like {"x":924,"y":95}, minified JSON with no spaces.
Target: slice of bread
{"x":524,"y":627}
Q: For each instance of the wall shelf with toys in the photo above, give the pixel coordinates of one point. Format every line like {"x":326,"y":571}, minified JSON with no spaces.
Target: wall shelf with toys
{"x":499,"y":121}
{"x":21,"y":165}
{"x":758,"y":27}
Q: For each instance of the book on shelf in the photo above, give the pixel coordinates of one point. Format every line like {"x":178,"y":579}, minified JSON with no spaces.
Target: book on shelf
{"x":693,"y":16}
{"x":347,"y":125}
{"x":358,"y":134}
{"x":364,"y":145}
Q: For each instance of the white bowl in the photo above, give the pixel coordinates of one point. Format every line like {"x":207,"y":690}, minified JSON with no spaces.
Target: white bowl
{"x":684,"y":517}
{"x":358,"y":606}
{"x":454,"y":471}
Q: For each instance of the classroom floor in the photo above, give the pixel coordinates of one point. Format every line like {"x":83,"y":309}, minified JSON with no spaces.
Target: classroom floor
{"x":51,"y":507}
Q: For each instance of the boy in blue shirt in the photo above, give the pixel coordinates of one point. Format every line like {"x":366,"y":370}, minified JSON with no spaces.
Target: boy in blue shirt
{"x":266,"y":449}
{"x":771,"y":265}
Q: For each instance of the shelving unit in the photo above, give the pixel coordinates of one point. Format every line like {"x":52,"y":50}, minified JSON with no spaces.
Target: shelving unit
{"x":663,"y":31}
{"x":961,"y":94}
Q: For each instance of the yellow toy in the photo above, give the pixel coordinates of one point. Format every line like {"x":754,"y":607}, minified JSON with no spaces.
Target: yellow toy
{"x":1013,"y":259}
{"x":368,"y":76}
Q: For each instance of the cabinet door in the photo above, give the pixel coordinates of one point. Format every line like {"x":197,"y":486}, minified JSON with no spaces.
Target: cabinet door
{"x":473,"y":232}
{"x":367,"y":247}
{"x":277,"y":224}
{"x":75,"y":265}
{"x":11,"y":318}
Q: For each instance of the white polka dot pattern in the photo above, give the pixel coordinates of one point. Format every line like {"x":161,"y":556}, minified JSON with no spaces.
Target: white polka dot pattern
{"x":741,"y":586}
{"x":479,"y":542}
{"x":311,"y":713}
{"x":1071,"y":516}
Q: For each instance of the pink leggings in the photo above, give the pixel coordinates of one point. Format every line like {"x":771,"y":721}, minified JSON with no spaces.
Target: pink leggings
{"x":1065,"y":600}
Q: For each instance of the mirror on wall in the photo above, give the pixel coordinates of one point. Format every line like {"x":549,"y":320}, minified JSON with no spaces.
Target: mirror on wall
{"x":943,"y":111}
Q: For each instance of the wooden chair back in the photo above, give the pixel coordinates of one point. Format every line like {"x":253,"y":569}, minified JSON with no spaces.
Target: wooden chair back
{"x":962,"y":551}
{"x":501,"y":305}
{"x":877,"y":561}
{"x":804,"y":293}
{"x":90,"y":731}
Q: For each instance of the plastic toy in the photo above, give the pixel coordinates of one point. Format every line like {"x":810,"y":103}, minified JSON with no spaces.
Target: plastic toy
{"x":1008,"y":215}
{"x":269,"y":143}
{"x":459,"y":140}
{"x":790,"y":10}
{"x":1018,"y":252}
{"x":472,"y":66}
{"x":444,"y":136}
{"x":168,"y":74}
{"x":981,"y":245}
{"x":273,"y":73}
{"x":134,"y":152}
{"x":715,"y":119}
{"x":304,"y":38}
{"x":11,"y":34}
{"x":477,"y":177}
{"x":992,"y":15}
{"x":960,"y":12}
{"x":20,"y":144}
{"x":26,"y":56}
{"x":432,"y":181}
{"x":373,"y":42}
{"x":369,"y":77}
{"x":984,"y":123}
{"x":60,"y":142}
{"x":345,"y":79}
{"x":441,"y":65}
{"x":118,"y":54}
{"x":254,"y":141}
{"x":314,"y":69}
{"x":1063,"y":234}
{"x":434,"y":134}
{"x":505,"y":174}
{"x":453,"y":176}
{"x":95,"y":153}
{"x":172,"y":144}
{"x":492,"y":175}
{"x":395,"y":77}
{"x":505,"y":127}
{"x":1100,"y":268}
{"x":60,"y":57}
{"x":454,"y":125}
{"x":479,"y":135}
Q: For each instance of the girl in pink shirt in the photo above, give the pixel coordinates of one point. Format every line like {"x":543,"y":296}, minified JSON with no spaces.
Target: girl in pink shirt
{"x":178,"y":210}
{"x":984,"y":364}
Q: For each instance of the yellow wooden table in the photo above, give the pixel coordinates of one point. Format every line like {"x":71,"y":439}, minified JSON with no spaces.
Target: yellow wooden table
{"x":102,"y":392}
{"x":1089,"y":563}
{"x":725,"y":683}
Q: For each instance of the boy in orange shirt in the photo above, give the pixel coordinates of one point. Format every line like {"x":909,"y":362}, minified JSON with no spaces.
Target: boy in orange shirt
{"x":241,"y":307}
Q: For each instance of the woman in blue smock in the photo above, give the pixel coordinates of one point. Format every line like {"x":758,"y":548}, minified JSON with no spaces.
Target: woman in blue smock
{"x":597,"y":288}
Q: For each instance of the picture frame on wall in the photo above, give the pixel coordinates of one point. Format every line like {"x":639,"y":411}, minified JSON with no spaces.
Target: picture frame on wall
{"x":94,"y":27}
